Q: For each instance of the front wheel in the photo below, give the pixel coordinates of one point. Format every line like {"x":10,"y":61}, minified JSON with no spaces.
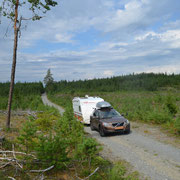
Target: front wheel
{"x":127,"y":131}
{"x":91,"y":126}
{"x":101,"y":132}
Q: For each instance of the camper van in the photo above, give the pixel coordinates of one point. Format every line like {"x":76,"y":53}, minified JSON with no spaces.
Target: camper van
{"x":84,"y":106}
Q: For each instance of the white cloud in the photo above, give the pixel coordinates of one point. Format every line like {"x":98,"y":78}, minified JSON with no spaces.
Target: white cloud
{"x":137,"y":35}
{"x":108,"y":73}
{"x":172,"y":37}
{"x":63,"y":38}
{"x":150,"y":35}
{"x":169,"y":69}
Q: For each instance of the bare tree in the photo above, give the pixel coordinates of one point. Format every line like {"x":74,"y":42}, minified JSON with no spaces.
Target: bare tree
{"x":11,"y":9}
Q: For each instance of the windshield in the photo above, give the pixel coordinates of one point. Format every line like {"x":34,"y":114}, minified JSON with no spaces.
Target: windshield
{"x":108,"y":113}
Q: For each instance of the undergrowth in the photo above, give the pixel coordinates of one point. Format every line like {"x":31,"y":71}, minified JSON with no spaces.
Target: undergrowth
{"x":60,"y":141}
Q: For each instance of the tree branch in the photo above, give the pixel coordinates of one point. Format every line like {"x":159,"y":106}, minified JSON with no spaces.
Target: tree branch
{"x":42,"y":171}
{"x":5,"y":165}
{"x":11,"y":178}
{"x":17,"y":153}
{"x":90,"y":174}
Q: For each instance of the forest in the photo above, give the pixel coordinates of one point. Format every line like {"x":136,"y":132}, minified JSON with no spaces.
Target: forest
{"x":132,"y":82}
{"x":26,"y":95}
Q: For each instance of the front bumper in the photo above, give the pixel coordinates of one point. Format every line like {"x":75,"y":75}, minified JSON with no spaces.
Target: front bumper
{"x":116,"y":129}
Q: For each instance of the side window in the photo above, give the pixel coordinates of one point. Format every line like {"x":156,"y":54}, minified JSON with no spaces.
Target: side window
{"x":96,"y":113}
{"x":79,"y":108}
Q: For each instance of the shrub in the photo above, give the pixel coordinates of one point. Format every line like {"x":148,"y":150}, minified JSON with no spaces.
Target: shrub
{"x":3,"y":103}
{"x":171,"y":105}
{"x":177,"y":125}
{"x":45,"y":120}
{"x":87,"y":149}
{"x":119,"y":172}
{"x":159,"y":117}
{"x":27,"y":136}
{"x":52,"y":150}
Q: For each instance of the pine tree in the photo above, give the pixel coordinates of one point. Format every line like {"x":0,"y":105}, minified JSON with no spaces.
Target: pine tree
{"x":11,"y":9}
{"x":48,"y":79}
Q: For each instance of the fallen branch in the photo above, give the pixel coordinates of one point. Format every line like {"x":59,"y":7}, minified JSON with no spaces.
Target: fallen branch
{"x":5,"y":165}
{"x":90,"y":174}
{"x":7,"y":159}
{"x":17,"y":153}
{"x":11,"y":178}
{"x":16,"y":160}
{"x":42,"y":171}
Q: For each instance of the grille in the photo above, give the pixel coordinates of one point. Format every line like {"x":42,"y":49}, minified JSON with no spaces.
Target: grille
{"x":117,"y":124}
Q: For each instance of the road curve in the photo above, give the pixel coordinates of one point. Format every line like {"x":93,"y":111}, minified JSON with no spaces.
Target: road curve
{"x":49,"y":103}
{"x":154,"y":159}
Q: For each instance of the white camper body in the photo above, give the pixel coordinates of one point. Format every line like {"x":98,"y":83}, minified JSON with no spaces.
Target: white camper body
{"x":83,"y":107}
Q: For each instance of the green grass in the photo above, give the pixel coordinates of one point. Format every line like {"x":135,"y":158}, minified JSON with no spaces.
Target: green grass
{"x":56,"y":140}
{"x":160,"y":107}
{"x":152,"y":107}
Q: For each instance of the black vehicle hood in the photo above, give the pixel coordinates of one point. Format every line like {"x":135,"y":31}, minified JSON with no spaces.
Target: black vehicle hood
{"x":120,"y":119}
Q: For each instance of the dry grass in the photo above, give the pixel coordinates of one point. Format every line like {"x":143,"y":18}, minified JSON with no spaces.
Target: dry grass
{"x":16,"y":124}
{"x":11,"y":135}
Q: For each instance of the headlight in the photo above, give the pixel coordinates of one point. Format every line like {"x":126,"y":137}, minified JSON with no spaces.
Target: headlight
{"x":106,"y":124}
{"x":126,"y":122}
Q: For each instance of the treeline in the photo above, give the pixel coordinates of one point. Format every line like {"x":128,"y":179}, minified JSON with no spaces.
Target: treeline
{"x":132,"y":82}
{"x":26,"y":95}
{"x":33,"y":88}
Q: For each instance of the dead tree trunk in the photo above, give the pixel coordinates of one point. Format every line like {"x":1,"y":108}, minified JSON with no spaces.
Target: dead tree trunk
{"x":16,"y":31}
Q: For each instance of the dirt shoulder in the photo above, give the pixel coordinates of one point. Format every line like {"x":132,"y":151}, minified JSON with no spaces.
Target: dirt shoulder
{"x":156,"y":132}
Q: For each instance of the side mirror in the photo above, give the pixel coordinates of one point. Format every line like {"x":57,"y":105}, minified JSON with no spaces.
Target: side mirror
{"x":124,"y":114}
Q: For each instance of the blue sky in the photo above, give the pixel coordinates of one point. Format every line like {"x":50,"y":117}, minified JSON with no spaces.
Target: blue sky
{"x":85,"y":39}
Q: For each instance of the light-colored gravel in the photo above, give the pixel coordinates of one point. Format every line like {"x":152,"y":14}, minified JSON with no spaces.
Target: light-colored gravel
{"x":49,"y":103}
{"x":154,"y":159}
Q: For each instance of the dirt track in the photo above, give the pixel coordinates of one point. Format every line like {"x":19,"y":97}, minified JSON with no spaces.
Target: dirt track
{"x":49,"y":103}
{"x":146,"y":153}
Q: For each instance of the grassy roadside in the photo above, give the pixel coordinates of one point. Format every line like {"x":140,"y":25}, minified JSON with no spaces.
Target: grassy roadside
{"x":160,"y":108}
{"x":115,"y":170}
{"x":58,"y":141}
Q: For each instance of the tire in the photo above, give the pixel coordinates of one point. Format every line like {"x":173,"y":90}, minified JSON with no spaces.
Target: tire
{"x":127,"y":131}
{"x":91,"y":126}
{"x":101,"y":132}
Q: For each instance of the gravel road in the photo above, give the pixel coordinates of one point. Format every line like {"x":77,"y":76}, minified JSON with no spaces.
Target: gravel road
{"x":154,"y":159}
{"x":49,"y":103}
